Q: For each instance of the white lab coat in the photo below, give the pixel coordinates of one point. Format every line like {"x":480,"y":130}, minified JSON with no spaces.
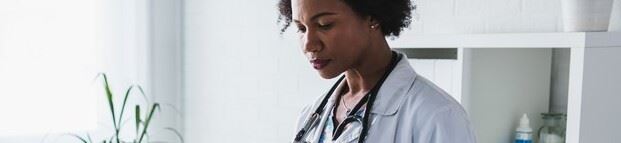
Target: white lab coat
{"x":408,"y":109}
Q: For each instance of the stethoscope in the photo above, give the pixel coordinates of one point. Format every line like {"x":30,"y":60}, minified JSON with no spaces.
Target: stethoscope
{"x":351,"y":117}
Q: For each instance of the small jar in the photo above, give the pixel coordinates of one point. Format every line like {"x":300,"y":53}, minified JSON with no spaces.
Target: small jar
{"x":553,"y":129}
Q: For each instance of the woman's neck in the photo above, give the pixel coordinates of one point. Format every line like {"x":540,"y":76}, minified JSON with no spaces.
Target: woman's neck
{"x":362,"y":78}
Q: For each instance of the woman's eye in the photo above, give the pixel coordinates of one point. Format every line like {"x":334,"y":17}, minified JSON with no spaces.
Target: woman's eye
{"x":325,"y":26}
{"x":301,"y":29}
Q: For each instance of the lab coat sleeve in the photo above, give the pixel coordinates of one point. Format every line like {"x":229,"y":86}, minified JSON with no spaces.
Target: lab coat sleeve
{"x":450,"y":125}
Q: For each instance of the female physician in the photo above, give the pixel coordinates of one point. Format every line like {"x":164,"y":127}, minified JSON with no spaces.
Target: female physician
{"x":378,"y":97}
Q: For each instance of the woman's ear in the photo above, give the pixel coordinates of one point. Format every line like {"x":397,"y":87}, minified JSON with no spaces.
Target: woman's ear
{"x":373,"y":24}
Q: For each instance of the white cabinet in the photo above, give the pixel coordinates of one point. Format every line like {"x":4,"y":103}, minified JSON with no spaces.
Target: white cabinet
{"x":500,"y":76}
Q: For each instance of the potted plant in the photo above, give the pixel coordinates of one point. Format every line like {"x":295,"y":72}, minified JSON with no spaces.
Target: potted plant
{"x":142,"y":121}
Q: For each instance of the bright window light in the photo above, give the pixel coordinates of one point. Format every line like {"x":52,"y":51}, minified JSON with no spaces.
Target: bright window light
{"x":48,"y":62}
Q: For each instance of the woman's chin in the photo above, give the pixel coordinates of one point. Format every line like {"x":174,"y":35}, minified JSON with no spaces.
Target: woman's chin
{"x":327,"y":75}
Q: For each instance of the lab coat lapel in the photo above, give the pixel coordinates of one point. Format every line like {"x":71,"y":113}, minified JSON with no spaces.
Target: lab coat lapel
{"x":389,"y":98}
{"x":394,"y":89}
{"x":318,"y":130}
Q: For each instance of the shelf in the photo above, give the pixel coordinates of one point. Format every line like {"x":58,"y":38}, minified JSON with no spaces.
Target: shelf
{"x":434,"y":53}
{"x":593,"y":59}
{"x":509,"y":40}
{"x":503,"y":84}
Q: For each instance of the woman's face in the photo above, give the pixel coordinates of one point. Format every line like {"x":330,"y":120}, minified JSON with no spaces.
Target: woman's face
{"x":333,"y":37}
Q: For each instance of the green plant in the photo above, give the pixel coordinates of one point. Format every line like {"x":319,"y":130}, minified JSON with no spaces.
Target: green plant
{"x":142,"y":126}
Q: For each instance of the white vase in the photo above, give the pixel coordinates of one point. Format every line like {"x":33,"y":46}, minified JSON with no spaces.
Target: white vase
{"x":586,"y":15}
{"x":615,"y":17}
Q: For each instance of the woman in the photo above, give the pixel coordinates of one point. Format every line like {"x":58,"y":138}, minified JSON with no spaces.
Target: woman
{"x":379,"y":98}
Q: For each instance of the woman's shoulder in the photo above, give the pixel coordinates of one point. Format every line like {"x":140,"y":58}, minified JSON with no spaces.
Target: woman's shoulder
{"x":425,"y":98}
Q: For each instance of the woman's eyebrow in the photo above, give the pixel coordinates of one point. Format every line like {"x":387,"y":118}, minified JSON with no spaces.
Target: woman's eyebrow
{"x":317,"y":16}
{"x":321,"y":14}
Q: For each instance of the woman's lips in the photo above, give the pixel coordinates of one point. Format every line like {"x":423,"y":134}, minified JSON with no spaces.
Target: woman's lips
{"x":320,"y":63}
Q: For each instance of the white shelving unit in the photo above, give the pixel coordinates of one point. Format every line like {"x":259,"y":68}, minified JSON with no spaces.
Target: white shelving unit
{"x":517,"y":65}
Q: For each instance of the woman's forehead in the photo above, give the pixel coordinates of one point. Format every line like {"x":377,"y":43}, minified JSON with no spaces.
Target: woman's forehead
{"x":307,"y":10}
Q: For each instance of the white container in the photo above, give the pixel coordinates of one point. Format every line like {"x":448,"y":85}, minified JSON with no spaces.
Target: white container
{"x":586,"y":15}
{"x":524,"y":133}
{"x":615,"y":17}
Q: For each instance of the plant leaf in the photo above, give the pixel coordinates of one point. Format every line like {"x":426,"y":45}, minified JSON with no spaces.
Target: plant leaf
{"x":78,"y":137}
{"x":143,"y":94}
{"x":176,"y":133}
{"x":89,"y":137}
{"x":148,"y":120}
{"x":137,"y":119}
{"x":110,"y":99}
{"x":129,"y":90}
{"x":111,"y":104}
{"x":174,"y":108}
{"x":111,"y":138}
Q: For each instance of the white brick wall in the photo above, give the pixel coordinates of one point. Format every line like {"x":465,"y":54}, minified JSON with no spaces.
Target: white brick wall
{"x":487,"y":16}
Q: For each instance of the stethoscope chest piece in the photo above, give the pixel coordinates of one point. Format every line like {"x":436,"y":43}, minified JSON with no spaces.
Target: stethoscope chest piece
{"x":307,"y":126}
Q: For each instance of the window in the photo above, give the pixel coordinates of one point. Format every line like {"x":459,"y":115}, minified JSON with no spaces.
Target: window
{"x":48,"y":63}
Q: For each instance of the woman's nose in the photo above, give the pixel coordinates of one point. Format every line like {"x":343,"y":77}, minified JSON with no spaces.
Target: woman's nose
{"x":311,"y":42}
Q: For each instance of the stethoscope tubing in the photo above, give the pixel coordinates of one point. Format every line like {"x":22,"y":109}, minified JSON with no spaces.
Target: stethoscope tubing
{"x":370,"y":97}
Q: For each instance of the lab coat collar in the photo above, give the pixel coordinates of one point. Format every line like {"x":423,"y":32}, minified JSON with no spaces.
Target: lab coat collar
{"x":393,"y":91}
{"x":389,"y":99}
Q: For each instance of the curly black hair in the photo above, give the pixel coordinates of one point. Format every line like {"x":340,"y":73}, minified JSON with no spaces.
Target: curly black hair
{"x":392,"y":15}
